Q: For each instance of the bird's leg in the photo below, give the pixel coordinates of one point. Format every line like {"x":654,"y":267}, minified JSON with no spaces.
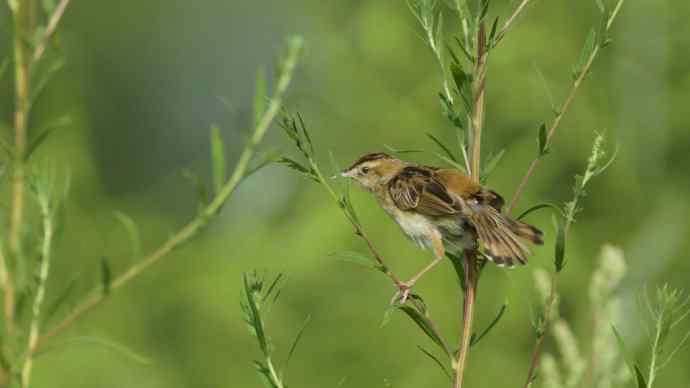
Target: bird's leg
{"x":404,"y":288}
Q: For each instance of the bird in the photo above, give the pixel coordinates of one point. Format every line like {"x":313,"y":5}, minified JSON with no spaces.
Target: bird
{"x":442,"y":209}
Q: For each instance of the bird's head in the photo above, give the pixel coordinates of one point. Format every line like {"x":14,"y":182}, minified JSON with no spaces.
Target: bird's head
{"x":373,"y":170}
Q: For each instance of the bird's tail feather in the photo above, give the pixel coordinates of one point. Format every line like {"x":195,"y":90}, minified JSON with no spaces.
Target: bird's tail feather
{"x":503,"y":239}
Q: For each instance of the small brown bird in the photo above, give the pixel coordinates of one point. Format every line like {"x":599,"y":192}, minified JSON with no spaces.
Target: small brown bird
{"x":443,"y":209}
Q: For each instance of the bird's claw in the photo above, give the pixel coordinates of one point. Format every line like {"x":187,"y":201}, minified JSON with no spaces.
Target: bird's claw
{"x":403,"y":292}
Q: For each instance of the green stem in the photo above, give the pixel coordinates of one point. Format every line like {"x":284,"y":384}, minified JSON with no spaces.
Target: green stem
{"x":44,"y":270}
{"x":199,"y":222}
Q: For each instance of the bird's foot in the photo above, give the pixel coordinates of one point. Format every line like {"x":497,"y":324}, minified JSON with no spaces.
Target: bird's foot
{"x":403,"y":292}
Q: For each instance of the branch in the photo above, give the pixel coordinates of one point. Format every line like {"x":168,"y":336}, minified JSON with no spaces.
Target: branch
{"x":467,"y":316}
{"x":53,"y":22}
{"x":564,"y":109}
{"x":509,"y":23}
{"x":477,"y":119}
{"x":46,"y":253}
{"x":541,"y":335}
{"x":213,"y":208}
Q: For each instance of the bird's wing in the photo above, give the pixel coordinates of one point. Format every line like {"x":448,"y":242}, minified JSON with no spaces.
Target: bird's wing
{"x":418,"y":188}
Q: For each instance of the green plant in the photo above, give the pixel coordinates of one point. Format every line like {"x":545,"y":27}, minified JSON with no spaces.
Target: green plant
{"x":26,"y":251}
{"x":463,"y":72}
{"x":258,"y":298}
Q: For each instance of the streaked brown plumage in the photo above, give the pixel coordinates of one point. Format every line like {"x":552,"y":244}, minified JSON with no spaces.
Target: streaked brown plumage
{"x":444,"y":209}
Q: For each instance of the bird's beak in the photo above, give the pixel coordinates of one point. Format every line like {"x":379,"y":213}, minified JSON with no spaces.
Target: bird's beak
{"x":348,"y":173}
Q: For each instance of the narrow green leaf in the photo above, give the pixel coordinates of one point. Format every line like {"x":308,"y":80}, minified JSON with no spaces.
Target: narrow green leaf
{"x":202,"y":190}
{"x":543,"y":141}
{"x":106,"y":343}
{"x":262,"y":161}
{"x":218,"y":159}
{"x":106,"y":275}
{"x":462,"y":79}
{"x":44,"y":132}
{"x":423,"y":323}
{"x":61,"y":298}
{"x":453,"y":57}
{"x":293,"y":164}
{"x":491,"y":165}
{"x":47,"y":76}
{"x":459,"y":269}
{"x":254,"y":314}
{"x":436,"y":361}
{"x":492,"y":34}
{"x":452,"y":163}
{"x":306,"y":134}
{"x":399,"y":151}
{"x":559,"y":260}
{"x":296,"y":340}
{"x":634,"y":369}
{"x":274,"y":286}
{"x":587,"y":49}
{"x":260,"y":96}
{"x":539,"y":207}
{"x":132,"y":232}
{"x":442,"y":146}
{"x":493,"y":323}
{"x":359,"y":259}
{"x":464,"y":50}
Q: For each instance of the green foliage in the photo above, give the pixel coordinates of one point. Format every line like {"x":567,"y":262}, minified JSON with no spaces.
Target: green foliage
{"x":258,"y":297}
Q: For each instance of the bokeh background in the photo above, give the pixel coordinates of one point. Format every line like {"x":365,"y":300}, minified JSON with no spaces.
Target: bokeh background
{"x":144,"y":80}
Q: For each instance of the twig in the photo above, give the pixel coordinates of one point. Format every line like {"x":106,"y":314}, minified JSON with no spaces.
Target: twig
{"x":541,"y":335}
{"x":467,"y":317}
{"x":53,"y":22}
{"x":359,"y":231}
{"x":509,"y":23}
{"x":194,"y":226}
{"x":46,"y":253}
{"x":20,"y":10}
{"x":477,"y":118}
{"x":564,"y":109}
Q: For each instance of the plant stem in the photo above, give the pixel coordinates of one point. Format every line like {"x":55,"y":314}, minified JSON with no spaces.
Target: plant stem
{"x":477,"y":118}
{"x":213,"y":208}
{"x":509,"y":23}
{"x":22,"y":83}
{"x":467,"y":317}
{"x":562,"y":111}
{"x":44,"y":269}
{"x":53,"y":22}
{"x":541,"y":335}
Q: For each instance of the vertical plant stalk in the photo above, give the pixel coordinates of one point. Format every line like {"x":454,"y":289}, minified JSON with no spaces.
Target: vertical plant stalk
{"x":193,"y":227}
{"x":470,"y":256}
{"x":541,"y":335}
{"x":22,"y":82}
{"x":44,"y":270}
{"x":562,"y":111}
{"x":468,"y":317}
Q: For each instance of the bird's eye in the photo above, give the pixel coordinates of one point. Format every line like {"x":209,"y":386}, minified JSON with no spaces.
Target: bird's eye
{"x":365,"y":170}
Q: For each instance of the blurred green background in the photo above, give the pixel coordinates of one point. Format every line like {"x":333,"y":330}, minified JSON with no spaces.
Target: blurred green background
{"x":142,"y":83}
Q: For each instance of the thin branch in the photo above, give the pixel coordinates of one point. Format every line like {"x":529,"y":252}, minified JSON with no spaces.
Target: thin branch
{"x":509,"y":23}
{"x":470,"y":272}
{"x":564,"y":109}
{"x":44,"y":269}
{"x":53,"y":22}
{"x":213,"y":208}
{"x":541,"y":335}
{"x":359,"y":231}
{"x":22,"y":84}
{"x":477,"y":118}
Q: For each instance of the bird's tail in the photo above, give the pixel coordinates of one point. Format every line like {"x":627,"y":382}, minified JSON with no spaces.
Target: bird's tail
{"x":502,"y":238}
